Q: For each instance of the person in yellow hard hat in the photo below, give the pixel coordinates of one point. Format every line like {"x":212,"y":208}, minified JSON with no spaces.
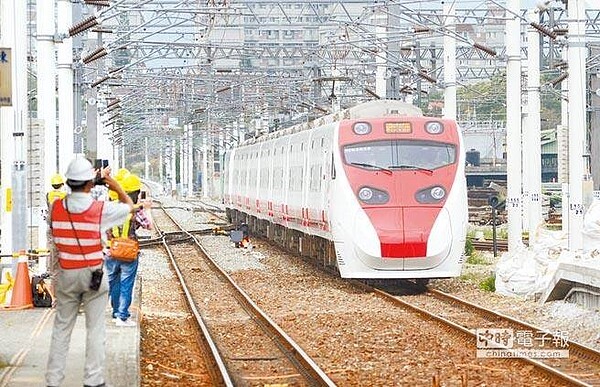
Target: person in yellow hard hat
{"x":121,"y":174}
{"x":58,"y":191}
{"x":122,"y":273}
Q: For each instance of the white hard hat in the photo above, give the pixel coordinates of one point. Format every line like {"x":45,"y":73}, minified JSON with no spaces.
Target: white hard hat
{"x":80,"y":169}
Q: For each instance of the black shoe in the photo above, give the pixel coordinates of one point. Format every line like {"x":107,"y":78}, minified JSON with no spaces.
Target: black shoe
{"x":97,"y":385}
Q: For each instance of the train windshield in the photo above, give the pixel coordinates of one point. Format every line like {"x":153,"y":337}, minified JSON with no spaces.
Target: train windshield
{"x":400,"y":154}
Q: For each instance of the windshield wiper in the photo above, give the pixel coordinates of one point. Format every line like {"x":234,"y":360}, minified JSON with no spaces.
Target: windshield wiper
{"x":407,"y":166}
{"x":380,"y":168}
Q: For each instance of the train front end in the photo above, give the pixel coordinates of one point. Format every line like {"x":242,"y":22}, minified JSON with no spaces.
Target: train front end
{"x":400,"y":208}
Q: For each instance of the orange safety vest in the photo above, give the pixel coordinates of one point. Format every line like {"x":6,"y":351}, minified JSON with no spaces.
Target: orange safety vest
{"x":55,"y":194}
{"x":74,"y":254}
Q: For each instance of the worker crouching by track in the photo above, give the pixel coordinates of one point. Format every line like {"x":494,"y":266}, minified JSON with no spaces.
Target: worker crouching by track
{"x":122,"y":264}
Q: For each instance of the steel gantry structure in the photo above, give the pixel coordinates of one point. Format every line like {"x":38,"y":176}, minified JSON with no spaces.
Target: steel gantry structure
{"x":285,"y":56}
{"x":207,"y":73}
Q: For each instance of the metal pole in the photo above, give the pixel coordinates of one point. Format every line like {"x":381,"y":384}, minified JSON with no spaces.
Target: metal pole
{"x":380,"y":20}
{"x":146,"y":162}
{"x":563,"y":149}
{"x":46,"y":98}
{"x":190,"y":160}
{"x":182,"y":164}
{"x":531,"y":140}
{"x":173,"y":166}
{"x":577,"y":54}
{"x":449,"y":61}
{"x":513,"y":124}
{"x":65,"y":86}
{"x":494,"y":235}
{"x":13,"y":206}
{"x":205,"y":166}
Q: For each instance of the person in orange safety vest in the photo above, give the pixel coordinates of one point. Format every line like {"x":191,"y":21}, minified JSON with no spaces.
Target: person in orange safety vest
{"x":77,"y":223}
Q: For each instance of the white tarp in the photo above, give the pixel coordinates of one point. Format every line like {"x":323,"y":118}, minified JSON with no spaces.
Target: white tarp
{"x":527,"y":270}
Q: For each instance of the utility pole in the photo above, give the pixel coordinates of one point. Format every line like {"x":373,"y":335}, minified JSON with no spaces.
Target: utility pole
{"x":513,"y":124}
{"x":449,"y":61}
{"x":13,"y":124}
{"x":532,"y":181}
{"x":190,"y":160}
{"x":595,"y":120}
{"x":65,"y":85}
{"x":46,"y":98}
{"x":577,"y":55}
{"x":380,"y":22}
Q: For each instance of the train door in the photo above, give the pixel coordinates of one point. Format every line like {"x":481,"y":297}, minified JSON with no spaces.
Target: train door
{"x":280,"y":152}
{"x":226,"y":188}
{"x":293,"y":203}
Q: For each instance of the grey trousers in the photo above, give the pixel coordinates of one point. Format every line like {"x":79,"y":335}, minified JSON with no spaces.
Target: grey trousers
{"x":72,"y":290}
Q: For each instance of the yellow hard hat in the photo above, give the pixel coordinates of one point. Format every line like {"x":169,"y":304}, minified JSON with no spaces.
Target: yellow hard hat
{"x":121,"y":173}
{"x":113,"y":195}
{"x":57,"y":179}
{"x":131,"y":183}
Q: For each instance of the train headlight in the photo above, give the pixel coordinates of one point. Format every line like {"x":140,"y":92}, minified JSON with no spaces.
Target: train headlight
{"x":431,"y":195}
{"x":434,"y":127}
{"x":362,"y":128}
{"x":372,"y":195}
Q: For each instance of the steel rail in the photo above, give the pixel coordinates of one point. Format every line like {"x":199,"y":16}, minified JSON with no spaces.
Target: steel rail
{"x":537,"y":364}
{"x":578,"y":349}
{"x":301,"y":360}
{"x":221,"y":377}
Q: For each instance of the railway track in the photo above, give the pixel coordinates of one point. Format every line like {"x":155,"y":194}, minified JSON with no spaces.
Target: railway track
{"x":502,"y":245}
{"x":553,"y":373}
{"x":246,"y":345}
{"x":581,"y":367}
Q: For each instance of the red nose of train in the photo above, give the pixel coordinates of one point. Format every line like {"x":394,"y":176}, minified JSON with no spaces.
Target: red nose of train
{"x":403,"y":232}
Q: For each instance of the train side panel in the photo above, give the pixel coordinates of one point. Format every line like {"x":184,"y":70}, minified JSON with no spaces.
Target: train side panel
{"x":319,"y":181}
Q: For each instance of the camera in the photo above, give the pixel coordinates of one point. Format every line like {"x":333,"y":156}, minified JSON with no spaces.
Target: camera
{"x":96,"y":280}
{"x":99,"y":164}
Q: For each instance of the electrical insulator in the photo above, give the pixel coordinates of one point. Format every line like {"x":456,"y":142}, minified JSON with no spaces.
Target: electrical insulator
{"x":485,"y":49}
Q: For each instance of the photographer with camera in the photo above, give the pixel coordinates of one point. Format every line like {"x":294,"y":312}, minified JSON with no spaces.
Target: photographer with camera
{"x":77,"y":223}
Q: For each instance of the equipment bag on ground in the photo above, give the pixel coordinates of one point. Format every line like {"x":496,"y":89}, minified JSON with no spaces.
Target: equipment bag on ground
{"x":41,"y":292}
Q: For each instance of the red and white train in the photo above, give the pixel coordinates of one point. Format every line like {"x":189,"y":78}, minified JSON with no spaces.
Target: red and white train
{"x":377,"y":191}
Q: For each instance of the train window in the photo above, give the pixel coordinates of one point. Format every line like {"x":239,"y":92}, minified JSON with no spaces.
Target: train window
{"x":264,"y":178}
{"x":278,"y":179}
{"x":400,"y":154}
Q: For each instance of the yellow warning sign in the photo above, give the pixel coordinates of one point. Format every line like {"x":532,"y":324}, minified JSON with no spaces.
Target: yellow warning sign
{"x":5,"y":77}
{"x":8,"y":199}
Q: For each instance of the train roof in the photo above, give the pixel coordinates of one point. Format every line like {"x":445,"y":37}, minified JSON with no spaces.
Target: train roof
{"x":376,"y":108}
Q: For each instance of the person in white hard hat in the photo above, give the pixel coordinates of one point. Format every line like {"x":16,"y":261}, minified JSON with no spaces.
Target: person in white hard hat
{"x":77,"y":223}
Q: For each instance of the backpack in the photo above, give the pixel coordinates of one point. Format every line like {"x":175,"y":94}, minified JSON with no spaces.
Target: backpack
{"x":41,"y":294}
